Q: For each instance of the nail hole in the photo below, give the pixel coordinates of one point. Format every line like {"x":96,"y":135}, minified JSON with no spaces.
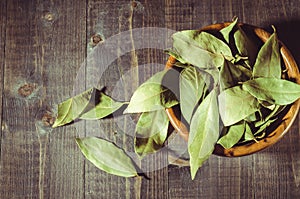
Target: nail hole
{"x":49,"y":16}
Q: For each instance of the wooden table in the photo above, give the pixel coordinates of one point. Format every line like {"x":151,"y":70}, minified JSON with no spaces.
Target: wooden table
{"x":43,"y":45}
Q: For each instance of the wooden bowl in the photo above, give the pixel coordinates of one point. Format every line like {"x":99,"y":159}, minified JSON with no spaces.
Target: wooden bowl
{"x":287,"y":119}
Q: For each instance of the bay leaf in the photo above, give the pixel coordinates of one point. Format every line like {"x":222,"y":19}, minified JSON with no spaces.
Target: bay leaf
{"x":273,"y":90}
{"x":192,"y":51}
{"x":232,"y":74}
{"x":262,"y":128}
{"x":103,"y":108}
{"x":235,"y":104}
{"x":212,"y":44}
{"x":248,"y":135}
{"x":151,"y":96}
{"x":192,"y":87}
{"x":273,"y":113}
{"x":245,"y":46}
{"x":107,"y":156}
{"x":268,"y":61}
{"x":176,"y":55}
{"x":151,"y":132}
{"x":233,"y":135}
{"x":228,"y":30}
{"x":253,"y":117}
{"x":72,"y":108}
{"x":204,"y":132}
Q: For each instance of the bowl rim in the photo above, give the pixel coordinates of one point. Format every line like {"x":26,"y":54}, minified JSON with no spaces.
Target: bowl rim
{"x":287,"y":120}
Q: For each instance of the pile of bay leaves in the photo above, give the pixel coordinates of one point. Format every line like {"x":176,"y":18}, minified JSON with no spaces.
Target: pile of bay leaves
{"x":230,"y":90}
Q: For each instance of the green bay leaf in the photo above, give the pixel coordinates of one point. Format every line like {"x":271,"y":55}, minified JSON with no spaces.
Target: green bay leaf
{"x":235,"y":104}
{"x":151,"y":132}
{"x":107,"y":156}
{"x":212,"y":44}
{"x":72,"y":108}
{"x":233,"y":135}
{"x":245,"y":46}
{"x":151,"y":96}
{"x":268,"y":61}
{"x":273,"y":90}
{"x":249,"y":136}
{"x":192,"y":87}
{"x":193,"y":52}
{"x":204,"y":132}
{"x":103,"y":108}
{"x":262,"y":128}
{"x":232,"y":74}
{"x":228,"y":30}
{"x":273,"y":113}
{"x":176,"y":55}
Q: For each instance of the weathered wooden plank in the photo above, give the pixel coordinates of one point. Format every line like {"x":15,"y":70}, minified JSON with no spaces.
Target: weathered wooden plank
{"x":41,"y":61}
{"x":62,"y":34}
{"x":18,"y":149}
{"x":105,"y":18}
{"x":2,"y":56}
{"x":108,"y":18}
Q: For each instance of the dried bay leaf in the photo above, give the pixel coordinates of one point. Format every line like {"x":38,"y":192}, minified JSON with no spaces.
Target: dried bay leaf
{"x":268,"y":61}
{"x":204,"y":132}
{"x":273,"y":113}
{"x":212,"y":44}
{"x":233,"y":135}
{"x":273,"y":90}
{"x":105,"y":107}
{"x":192,"y":87}
{"x":245,"y":46}
{"x":262,"y":127}
{"x":151,"y":96}
{"x":232,"y":74}
{"x":72,"y":108}
{"x":107,"y":156}
{"x":176,"y":55}
{"x":228,"y":29}
{"x":151,"y":132}
{"x":235,"y":104}
{"x":188,"y":44}
{"x":248,"y":135}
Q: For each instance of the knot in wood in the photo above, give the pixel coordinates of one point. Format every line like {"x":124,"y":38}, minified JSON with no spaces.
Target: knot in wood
{"x":26,"y":89}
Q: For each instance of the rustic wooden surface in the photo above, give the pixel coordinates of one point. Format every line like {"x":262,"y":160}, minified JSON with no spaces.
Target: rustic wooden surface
{"x":42,"y":46}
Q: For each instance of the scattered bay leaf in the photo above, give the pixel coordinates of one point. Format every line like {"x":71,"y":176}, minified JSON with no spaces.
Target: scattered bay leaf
{"x":107,"y":156}
{"x":105,"y":107}
{"x":72,"y":108}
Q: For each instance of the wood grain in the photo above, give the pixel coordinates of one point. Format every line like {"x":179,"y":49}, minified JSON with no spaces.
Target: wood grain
{"x":40,"y":64}
{"x":44,"y":46}
{"x":2,"y":56}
